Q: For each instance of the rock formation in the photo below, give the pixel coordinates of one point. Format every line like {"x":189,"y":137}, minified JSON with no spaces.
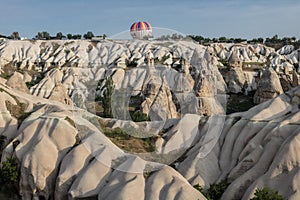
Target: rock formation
{"x":234,"y":60}
{"x":16,"y":81}
{"x":65,"y":151}
{"x":243,"y":153}
{"x":268,"y":86}
{"x":63,"y":155}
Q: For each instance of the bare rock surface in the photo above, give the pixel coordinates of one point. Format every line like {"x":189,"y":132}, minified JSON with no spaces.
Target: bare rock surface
{"x":66,"y":152}
{"x":63,"y":155}
{"x":268,"y":87}
{"x":16,"y":81}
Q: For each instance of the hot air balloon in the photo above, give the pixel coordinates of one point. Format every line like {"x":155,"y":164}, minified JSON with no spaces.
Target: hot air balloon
{"x":141,"y":30}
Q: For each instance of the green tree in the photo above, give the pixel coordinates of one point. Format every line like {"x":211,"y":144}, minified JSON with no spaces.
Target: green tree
{"x":266,"y":194}
{"x":197,"y":38}
{"x":104,"y":36}
{"x":215,"y":191}
{"x":223,"y":39}
{"x":39,"y":35}
{"x":15,"y":35}
{"x":88,"y":35}
{"x":46,"y":35}
{"x":254,"y":40}
{"x":215,"y":39}
{"x":106,"y":97}
{"x":59,"y":36}
{"x":239,"y":40}
{"x":69,"y":36}
{"x":4,"y":36}
{"x":275,"y":38}
{"x":76,"y":36}
{"x":260,"y":40}
{"x":43,"y":36}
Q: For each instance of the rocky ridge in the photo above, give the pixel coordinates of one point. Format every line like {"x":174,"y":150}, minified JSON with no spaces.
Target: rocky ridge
{"x":85,"y":163}
{"x":65,"y":151}
{"x":87,"y":61}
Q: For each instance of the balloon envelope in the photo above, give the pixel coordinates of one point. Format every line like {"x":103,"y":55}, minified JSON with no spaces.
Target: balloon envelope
{"x":141,"y":30}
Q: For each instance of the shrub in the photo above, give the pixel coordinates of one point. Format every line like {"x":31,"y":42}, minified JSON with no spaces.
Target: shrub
{"x":9,"y":178}
{"x":9,"y":171}
{"x":69,"y":36}
{"x":59,"y":35}
{"x":129,"y":143}
{"x":266,"y":194}
{"x":116,"y":133}
{"x":138,"y":116}
{"x":88,"y":35}
{"x":131,"y":64}
{"x":199,"y":188}
{"x":215,"y":191}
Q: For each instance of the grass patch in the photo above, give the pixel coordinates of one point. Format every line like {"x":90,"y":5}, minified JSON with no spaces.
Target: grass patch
{"x":71,"y":121}
{"x":129,"y":143}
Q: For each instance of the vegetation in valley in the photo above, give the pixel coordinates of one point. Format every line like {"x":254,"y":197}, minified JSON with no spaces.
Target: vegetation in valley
{"x":273,"y":41}
{"x":266,"y":194}
{"x":9,"y":179}
{"x":239,"y":102}
{"x":106,"y":97}
{"x":134,"y":109}
{"x":138,"y":116}
{"x":129,"y":143}
{"x":215,"y":191}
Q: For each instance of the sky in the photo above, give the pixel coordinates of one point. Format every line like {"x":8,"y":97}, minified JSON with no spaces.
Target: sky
{"x":209,"y":18}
